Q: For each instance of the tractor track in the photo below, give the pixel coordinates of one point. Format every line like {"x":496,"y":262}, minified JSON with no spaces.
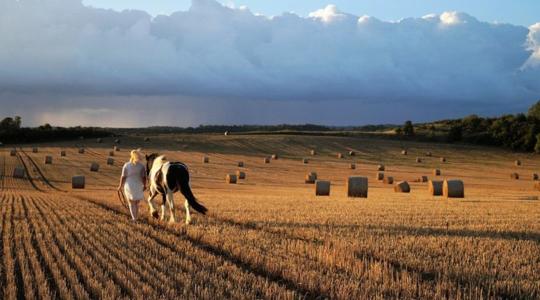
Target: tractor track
{"x":40,"y":173}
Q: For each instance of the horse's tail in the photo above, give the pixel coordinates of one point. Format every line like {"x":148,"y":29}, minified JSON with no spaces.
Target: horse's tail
{"x":185,"y":189}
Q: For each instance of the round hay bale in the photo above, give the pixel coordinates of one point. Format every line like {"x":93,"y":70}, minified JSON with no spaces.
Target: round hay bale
{"x":435,"y":187}
{"x":81,"y":150}
{"x":116,"y":148}
{"x":517,"y":163}
{"x":428,"y":154}
{"x":379,"y":176}
{"x":402,"y":187}
{"x":305,"y":161}
{"x":443,"y":159}
{"x":110,"y":161}
{"x":314,"y":174}
{"x":19,"y":172}
{"x":99,"y":140}
{"x":352,"y":166}
{"x":117,"y":141}
{"x":275,"y":156}
{"x":267,"y":160}
{"x":240,"y":164}
{"x":437,"y":172}
{"x":226,"y":133}
{"x":313,"y":152}
{"x":111,"y":153}
{"x":13,"y":152}
{"x":205,"y":160}
{"x":81,"y":137}
{"x":418,"y":160}
{"x":78,"y":182}
{"x":241,"y":175}
{"x":63,"y":153}
{"x":357,"y":187}
{"x":388,"y":180}
{"x":147,"y":139}
{"x":310,"y":179}
{"x":404,"y":152}
{"x":453,"y":189}
{"x":352,"y":153}
{"x":514,"y":176}
{"x":322,"y":188}
{"x":35,"y":150}
{"x":380,"y":168}
{"x":94,"y":167}
{"x":340,"y":155}
{"x":535,"y":176}
{"x":231,"y":179}
{"x":423,"y":179}
{"x":48,"y":160}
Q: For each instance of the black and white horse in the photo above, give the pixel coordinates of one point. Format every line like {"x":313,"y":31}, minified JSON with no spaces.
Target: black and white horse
{"x":166,"y":178}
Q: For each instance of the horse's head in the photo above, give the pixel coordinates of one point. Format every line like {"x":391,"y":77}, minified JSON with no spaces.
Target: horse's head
{"x":150,"y":162}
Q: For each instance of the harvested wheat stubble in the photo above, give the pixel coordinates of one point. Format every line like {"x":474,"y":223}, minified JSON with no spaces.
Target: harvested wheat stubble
{"x":205,"y":160}
{"x":13,"y":152}
{"x":110,"y":161}
{"x":267,"y":160}
{"x":35,"y":150}
{"x":81,"y":150}
{"x":443,"y":159}
{"x":241,"y":175}
{"x":99,"y":141}
{"x":352,"y":166}
{"x":313,"y":152}
{"x":435,"y":187}
{"x":18,"y":172}
{"x":418,"y":160}
{"x":437,"y":172}
{"x":379,"y":176}
{"x":63,"y":153}
{"x":402,"y":187}
{"x":517,"y":163}
{"x":380,"y":168}
{"x":388,"y":180}
{"x":423,"y":179}
{"x":535,"y":176}
{"x":240,"y":164}
{"x":322,"y":188}
{"x":231,"y":179}
{"x":404,"y":152}
{"x":275,"y":156}
{"x":514,"y":176}
{"x":357,"y":187}
{"x":111,"y":153}
{"x":340,"y":155}
{"x":48,"y":159}
{"x":537,"y":186}
{"x":352,"y":153}
{"x":78,"y":182}
{"x":453,"y":189}
{"x":94,"y":167}
{"x":305,"y":161}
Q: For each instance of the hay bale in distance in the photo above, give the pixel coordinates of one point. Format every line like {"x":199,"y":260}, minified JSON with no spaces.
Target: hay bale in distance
{"x":35,"y":150}
{"x":94,"y":167}
{"x":380,"y":168}
{"x":117,"y":141}
{"x":310,"y":179}
{"x":322,"y":188}
{"x":115,"y":148}
{"x":379,"y":176}
{"x":402,"y":187}
{"x":305,"y":161}
{"x":437,"y":172}
{"x":110,"y":161}
{"x":226,"y":133}
{"x":443,"y":159}
{"x":111,"y":153}
{"x":428,"y":154}
{"x":388,"y":180}
{"x":352,"y":153}
{"x":314,"y":174}
{"x":240,"y":174}
{"x":453,"y":189}
{"x":435,"y":187}
{"x":357,"y":187}
{"x":19,"y":172}
{"x":517,"y":163}
{"x":267,"y":160}
{"x":418,"y":160}
{"x":81,"y":150}
{"x":240,"y":164}
{"x":275,"y":156}
{"x":13,"y":152}
{"x":99,"y":140}
{"x":313,"y":152}
{"x":205,"y":159}
{"x":535,"y":176}
{"x":404,"y":152}
{"x":352,"y":166}
{"x":48,"y":160}
{"x":514,"y":176}
{"x":231,"y":179}
{"x":63,"y":153}
{"x":78,"y":182}
{"x":340,"y":155}
{"x":423,"y":179}
{"x":147,"y":139}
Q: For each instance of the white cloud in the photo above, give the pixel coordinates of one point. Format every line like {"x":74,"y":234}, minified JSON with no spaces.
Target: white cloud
{"x":62,"y":48}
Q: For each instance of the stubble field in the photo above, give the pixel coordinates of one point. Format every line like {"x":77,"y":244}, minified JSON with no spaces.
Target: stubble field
{"x":269,"y":236}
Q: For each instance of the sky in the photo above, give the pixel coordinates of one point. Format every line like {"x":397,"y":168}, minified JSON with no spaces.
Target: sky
{"x":186,"y":63}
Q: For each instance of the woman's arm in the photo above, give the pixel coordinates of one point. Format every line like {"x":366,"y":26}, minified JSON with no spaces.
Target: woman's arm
{"x":122,"y":178}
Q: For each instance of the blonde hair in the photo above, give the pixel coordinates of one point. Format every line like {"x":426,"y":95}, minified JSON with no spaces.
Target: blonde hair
{"x":136,"y":156}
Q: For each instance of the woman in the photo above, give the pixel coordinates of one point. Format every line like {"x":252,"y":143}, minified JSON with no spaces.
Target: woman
{"x":133,"y":181}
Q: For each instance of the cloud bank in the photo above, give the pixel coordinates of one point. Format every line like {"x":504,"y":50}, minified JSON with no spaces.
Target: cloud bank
{"x":215,"y":64}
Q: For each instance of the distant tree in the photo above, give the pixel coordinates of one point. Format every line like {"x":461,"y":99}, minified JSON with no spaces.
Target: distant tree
{"x":537,"y":146}
{"x":455,"y":133}
{"x":398,"y":131}
{"x":408,"y":128}
{"x":45,"y":126}
{"x":534,"y":111}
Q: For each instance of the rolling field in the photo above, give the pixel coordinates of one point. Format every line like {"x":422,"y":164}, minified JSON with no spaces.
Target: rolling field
{"x":269,"y":236}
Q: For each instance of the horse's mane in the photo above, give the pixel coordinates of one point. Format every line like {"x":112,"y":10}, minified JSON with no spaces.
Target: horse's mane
{"x":159,"y":160}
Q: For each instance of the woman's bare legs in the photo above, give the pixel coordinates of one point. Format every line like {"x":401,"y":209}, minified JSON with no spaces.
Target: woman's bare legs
{"x":134,"y":209}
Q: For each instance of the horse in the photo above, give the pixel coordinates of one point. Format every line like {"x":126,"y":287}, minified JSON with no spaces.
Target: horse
{"x":166,"y":178}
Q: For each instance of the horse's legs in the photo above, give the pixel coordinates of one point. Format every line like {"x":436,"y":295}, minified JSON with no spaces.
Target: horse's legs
{"x":170,"y":196}
{"x":188,"y":216}
{"x":164,"y":203}
{"x":153,"y":211}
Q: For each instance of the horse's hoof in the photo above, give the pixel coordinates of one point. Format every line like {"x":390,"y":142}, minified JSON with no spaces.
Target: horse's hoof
{"x":155,"y":215}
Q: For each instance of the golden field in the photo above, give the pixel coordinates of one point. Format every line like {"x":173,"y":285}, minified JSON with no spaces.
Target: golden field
{"x":269,"y":236}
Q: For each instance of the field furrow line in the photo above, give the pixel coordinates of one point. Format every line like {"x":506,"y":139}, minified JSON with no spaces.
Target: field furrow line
{"x":40,"y":172}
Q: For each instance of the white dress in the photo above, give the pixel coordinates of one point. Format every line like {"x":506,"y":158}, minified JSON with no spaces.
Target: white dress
{"x":134,"y":186}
